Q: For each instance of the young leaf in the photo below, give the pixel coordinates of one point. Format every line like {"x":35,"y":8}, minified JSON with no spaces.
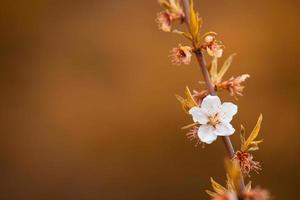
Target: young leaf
{"x":243,"y":131}
{"x":250,"y":144}
{"x":256,"y":129}
{"x":212,"y":194}
{"x":200,"y":22}
{"x":214,"y":70}
{"x":187,"y":103}
{"x":218,"y":188}
{"x":164,"y":3}
{"x":248,"y":186}
{"x":253,"y":146}
{"x":234,"y":173}
{"x":194,"y":23}
{"x":229,"y":183}
{"x":185,"y":34}
{"x":225,"y":67}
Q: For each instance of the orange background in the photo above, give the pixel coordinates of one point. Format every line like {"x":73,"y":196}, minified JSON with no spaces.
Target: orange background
{"x":88,"y":108}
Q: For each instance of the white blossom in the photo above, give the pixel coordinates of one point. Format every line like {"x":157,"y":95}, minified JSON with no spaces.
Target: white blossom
{"x":214,"y":118}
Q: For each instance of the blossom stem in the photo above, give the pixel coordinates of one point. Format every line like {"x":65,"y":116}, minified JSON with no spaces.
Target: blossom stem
{"x":203,"y":66}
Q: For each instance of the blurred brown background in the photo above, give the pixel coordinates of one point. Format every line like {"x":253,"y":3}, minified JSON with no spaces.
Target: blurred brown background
{"x":87,"y":99}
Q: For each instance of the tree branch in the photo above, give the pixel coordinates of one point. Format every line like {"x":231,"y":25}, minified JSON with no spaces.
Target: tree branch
{"x":203,"y":66}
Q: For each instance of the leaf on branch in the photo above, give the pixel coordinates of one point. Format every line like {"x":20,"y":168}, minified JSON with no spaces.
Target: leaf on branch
{"x":225,"y":67}
{"x":195,"y":22}
{"x":188,"y":102}
{"x":212,"y":194}
{"x":242,"y":134}
{"x":185,"y":34}
{"x":164,"y":3}
{"x":218,"y":188}
{"x":214,"y":70}
{"x":234,"y":174}
{"x":251,"y":144}
{"x":248,"y":186}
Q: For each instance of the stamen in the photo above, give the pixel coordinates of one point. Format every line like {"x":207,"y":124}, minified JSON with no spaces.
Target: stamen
{"x":214,"y":119}
{"x":189,"y":126}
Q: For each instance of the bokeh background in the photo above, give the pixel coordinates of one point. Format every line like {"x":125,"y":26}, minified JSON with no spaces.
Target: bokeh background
{"x":87,"y":99}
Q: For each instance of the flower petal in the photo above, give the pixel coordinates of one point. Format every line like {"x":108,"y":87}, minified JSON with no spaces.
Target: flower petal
{"x":224,"y":129}
{"x":211,"y":104}
{"x":198,"y":115}
{"x":206,"y":133}
{"x":228,"y":110}
{"x":219,"y":53}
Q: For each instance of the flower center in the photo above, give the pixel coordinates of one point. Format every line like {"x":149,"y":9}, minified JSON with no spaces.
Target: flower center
{"x":181,"y":53}
{"x":214,"y":119}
